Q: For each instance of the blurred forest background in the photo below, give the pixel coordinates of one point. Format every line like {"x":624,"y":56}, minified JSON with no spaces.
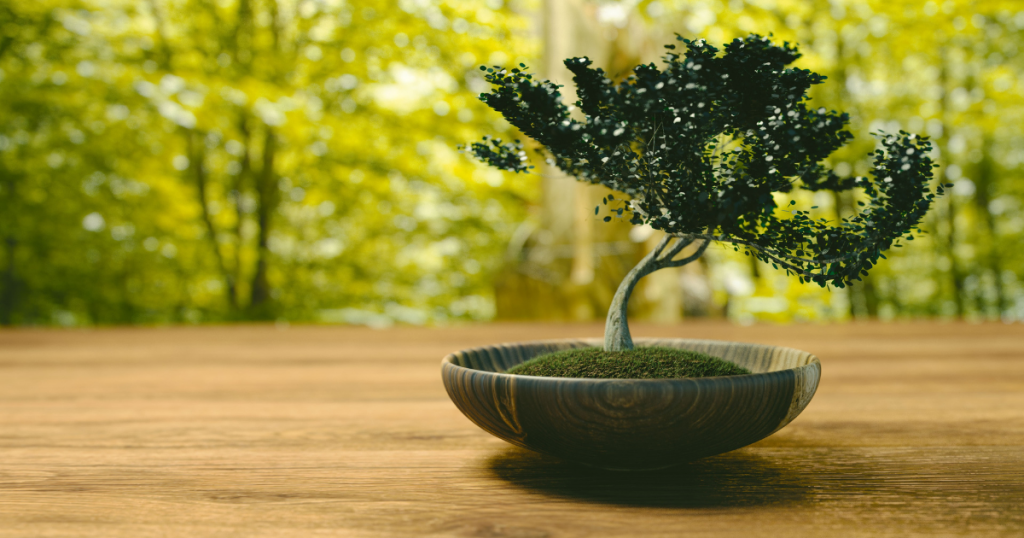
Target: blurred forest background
{"x":187,"y":161}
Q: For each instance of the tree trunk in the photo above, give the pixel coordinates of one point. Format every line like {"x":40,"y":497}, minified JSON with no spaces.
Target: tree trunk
{"x":616,"y":328}
{"x":9,"y":286}
{"x":196,"y":157}
{"x":9,"y":291}
{"x":983,"y":197}
{"x":164,"y":54}
{"x":955,"y":274}
{"x":268,"y":198}
{"x":242,"y":181}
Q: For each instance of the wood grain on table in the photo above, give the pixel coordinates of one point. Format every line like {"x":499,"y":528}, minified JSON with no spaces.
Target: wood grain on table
{"x":916,"y":429}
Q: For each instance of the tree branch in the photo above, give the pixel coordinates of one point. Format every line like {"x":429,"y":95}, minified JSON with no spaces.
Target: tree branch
{"x":678,"y":247}
{"x":690,"y":258}
{"x":661,"y":245}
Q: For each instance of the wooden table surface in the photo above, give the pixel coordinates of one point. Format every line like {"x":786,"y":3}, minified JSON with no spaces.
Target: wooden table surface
{"x":916,"y":429}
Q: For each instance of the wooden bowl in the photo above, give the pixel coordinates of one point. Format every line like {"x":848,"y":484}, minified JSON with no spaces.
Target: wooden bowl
{"x":632,"y":423}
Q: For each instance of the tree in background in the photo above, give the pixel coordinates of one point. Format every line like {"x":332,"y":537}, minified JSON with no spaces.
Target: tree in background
{"x":98,"y":226}
{"x":249,"y":159}
{"x":55,"y":144}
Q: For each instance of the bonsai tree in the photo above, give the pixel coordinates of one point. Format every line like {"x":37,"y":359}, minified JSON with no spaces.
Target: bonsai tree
{"x":698,"y":149}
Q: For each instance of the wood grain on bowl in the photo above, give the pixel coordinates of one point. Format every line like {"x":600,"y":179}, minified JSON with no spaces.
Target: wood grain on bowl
{"x":627,"y":424}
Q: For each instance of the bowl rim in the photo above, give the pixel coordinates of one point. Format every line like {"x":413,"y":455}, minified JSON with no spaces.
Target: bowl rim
{"x":449,"y":361}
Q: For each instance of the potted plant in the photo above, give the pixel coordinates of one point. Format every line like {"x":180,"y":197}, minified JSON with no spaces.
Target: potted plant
{"x":698,"y":148}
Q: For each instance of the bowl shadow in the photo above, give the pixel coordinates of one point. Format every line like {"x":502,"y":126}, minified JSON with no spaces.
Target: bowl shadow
{"x":734,"y":479}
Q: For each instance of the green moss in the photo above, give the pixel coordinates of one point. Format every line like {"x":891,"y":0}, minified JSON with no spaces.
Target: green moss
{"x":638,"y":363}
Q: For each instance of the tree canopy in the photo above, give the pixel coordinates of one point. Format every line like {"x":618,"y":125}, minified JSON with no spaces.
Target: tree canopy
{"x":700,"y":146}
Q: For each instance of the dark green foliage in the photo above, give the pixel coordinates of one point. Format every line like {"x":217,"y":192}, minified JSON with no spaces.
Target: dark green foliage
{"x":504,"y":155}
{"x":637,"y":363}
{"x":700,"y":147}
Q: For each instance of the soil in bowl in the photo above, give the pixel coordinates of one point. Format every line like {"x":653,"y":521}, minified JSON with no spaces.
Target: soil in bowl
{"x":637,"y":363}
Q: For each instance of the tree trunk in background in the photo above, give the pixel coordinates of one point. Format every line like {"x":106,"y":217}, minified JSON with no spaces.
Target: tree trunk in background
{"x":9,"y":282}
{"x":197,"y":156}
{"x":9,"y":294}
{"x":243,"y":35}
{"x":582,"y":272}
{"x":983,"y":198}
{"x":164,"y":54}
{"x":947,"y":203}
{"x":955,"y":274}
{"x":570,"y":265}
{"x":241,"y":182}
{"x":9,"y":291}
{"x":268,"y":197}
{"x":558,"y":188}
{"x":564,"y":220}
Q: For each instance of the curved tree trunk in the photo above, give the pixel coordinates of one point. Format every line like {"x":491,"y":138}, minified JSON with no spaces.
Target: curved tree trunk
{"x":616,"y":328}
